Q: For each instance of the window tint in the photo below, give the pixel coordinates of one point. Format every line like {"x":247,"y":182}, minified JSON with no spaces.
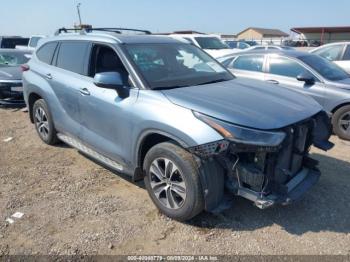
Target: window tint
{"x":249,"y":63}
{"x":72,"y":55}
{"x":285,"y":67}
{"x":347,"y":53}
{"x":46,"y":52}
{"x":331,"y":53}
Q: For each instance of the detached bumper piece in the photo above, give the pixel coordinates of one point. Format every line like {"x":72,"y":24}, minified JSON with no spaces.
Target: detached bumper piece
{"x":11,"y":93}
{"x":294,"y":190}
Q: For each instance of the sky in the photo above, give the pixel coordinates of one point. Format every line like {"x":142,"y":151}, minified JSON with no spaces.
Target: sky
{"x":23,"y":17}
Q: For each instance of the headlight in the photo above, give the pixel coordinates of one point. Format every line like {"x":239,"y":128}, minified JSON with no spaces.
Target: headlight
{"x":243,"y":135}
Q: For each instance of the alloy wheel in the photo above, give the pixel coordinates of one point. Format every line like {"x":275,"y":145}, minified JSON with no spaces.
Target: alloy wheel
{"x":42,"y":123}
{"x":344,"y":123}
{"x":167,"y":183}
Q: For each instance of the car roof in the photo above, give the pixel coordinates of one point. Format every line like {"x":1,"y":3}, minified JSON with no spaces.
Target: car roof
{"x":17,"y":51}
{"x":112,"y":38}
{"x":289,"y":53}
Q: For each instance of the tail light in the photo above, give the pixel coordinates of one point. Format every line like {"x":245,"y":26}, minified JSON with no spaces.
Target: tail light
{"x":24,"y":67}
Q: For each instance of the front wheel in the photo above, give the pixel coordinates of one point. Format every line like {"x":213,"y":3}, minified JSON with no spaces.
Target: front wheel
{"x":341,"y":122}
{"x":172,"y":181}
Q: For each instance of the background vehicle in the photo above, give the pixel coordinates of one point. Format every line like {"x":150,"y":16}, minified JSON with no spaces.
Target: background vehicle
{"x":269,"y":47}
{"x":338,"y":53}
{"x":158,"y":108}
{"x":11,"y":90}
{"x":236,"y":44}
{"x":12,"y":41}
{"x":309,"y":74}
{"x":211,"y":44}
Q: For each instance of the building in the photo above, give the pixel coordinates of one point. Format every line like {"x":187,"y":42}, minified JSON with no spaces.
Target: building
{"x":262,"y":35}
{"x":323,"y":35}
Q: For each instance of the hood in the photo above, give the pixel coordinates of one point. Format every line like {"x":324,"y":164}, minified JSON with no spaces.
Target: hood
{"x":10,"y":73}
{"x":220,"y":52}
{"x":246,"y":102}
{"x":345,"y":83}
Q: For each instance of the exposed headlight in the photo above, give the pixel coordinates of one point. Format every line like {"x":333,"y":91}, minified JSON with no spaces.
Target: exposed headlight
{"x":243,"y":135}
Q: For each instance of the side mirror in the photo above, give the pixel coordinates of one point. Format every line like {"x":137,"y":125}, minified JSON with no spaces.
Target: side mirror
{"x":112,"y":80}
{"x":307,"y":78}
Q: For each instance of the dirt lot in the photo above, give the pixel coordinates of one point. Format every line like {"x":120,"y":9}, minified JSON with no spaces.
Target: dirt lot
{"x":73,"y":206}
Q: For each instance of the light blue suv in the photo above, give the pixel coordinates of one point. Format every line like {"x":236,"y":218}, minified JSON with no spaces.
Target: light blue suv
{"x":159,"y":109}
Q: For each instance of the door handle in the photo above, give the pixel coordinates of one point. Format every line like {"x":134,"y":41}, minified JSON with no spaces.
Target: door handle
{"x":48,"y":76}
{"x":273,"y":81}
{"x":84,"y":91}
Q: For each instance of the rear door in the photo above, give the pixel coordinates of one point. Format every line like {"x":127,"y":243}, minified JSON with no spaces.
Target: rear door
{"x":68,"y":80}
{"x":281,"y":70}
{"x":248,"y":66}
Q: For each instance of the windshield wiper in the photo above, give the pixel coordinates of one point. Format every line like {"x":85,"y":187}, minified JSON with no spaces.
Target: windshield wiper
{"x":168,"y":87}
{"x":212,"y":82}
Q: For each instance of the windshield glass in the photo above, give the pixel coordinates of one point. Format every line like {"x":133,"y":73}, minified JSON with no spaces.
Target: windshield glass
{"x":211,"y":43}
{"x":13,"y":59}
{"x":167,"y":65}
{"x":325,"y":68}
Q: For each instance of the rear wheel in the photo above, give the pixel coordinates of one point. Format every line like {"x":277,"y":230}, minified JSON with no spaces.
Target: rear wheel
{"x":341,"y":122}
{"x":172,"y":181}
{"x":44,"y":123}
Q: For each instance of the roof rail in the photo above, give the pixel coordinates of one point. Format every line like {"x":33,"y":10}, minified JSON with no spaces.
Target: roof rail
{"x":116,"y":30}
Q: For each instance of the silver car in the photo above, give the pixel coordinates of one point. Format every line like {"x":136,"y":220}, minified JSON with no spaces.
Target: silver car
{"x":156,"y":108}
{"x":306,"y":73}
{"x":338,"y":53}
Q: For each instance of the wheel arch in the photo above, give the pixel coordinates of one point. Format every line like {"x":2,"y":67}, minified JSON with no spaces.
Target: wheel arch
{"x":346,"y":103}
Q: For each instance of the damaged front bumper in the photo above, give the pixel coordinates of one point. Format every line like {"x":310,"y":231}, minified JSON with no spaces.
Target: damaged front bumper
{"x":11,"y":93}
{"x":267,"y":173}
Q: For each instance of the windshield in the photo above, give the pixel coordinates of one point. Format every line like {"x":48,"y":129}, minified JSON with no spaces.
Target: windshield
{"x":211,"y":43}
{"x":13,"y":59}
{"x":165,"y":66}
{"x":325,"y":68}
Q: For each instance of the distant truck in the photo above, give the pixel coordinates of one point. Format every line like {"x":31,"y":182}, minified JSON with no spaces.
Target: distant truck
{"x":13,"y":41}
{"x":31,"y":44}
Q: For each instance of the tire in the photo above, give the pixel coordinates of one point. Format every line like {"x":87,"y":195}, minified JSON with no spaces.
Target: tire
{"x":341,"y":122}
{"x":179,"y":194}
{"x":43,"y":122}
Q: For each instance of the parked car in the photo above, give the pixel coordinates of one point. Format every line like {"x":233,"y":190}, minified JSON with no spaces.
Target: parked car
{"x":338,"y":53}
{"x":237,"y":44}
{"x":158,"y":108}
{"x":211,"y":44}
{"x":309,"y":74}
{"x":11,"y":90}
{"x":269,"y":47}
{"x":12,"y":41}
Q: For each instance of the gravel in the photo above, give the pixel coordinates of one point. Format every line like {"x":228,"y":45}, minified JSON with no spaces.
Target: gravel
{"x":73,"y":206}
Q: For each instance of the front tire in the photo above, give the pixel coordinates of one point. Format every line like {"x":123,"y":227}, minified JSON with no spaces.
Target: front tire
{"x":341,"y":122}
{"x":43,"y":122}
{"x":172,"y":181}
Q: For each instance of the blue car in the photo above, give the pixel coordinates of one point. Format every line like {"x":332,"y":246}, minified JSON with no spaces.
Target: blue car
{"x":165,"y":111}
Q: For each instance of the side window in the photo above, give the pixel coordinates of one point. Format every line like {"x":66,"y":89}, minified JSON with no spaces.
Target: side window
{"x":45,"y":53}
{"x":227,"y":61}
{"x":249,"y":63}
{"x":331,"y":53}
{"x":104,"y":59}
{"x":72,"y":55}
{"x":189,"y":40}
{"x":347,"y":53}
{"x":285,"y":67}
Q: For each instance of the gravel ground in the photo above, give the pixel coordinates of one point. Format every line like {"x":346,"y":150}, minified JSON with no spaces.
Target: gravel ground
{"x":73,"y":206}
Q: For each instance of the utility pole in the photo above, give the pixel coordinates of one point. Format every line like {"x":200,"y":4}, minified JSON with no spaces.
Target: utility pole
{"x":78,"y":9}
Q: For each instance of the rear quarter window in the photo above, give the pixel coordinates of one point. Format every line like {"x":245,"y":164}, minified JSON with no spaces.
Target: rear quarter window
{"x":347,"y":53}
{"x":45,"y":53}
{"x":72,"y":56}
{"x":249,"y":63}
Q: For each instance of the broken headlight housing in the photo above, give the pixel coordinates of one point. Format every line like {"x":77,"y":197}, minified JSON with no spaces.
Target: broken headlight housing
{"x":243,"y":135}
